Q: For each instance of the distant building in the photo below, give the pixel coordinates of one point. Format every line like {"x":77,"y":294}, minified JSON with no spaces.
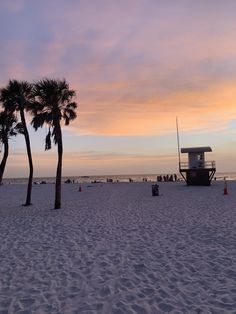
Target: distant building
{"x":197,"y":171}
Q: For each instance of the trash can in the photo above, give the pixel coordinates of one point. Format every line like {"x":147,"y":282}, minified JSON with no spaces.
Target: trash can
{"x":155,"y":190}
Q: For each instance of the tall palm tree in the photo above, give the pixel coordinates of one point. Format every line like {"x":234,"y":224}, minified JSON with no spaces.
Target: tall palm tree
{"x":8,"y":128}
{"x":54,"y":103}
{"x":16,"y":97}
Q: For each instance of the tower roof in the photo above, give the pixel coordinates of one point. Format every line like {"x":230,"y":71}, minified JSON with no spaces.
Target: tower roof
{"x":196,"y":149}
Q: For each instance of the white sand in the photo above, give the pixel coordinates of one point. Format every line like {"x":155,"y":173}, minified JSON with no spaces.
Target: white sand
{"x":113,"y":248}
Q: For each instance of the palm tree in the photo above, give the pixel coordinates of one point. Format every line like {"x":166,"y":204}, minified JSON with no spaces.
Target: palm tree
{"x":8,"y":128}
{"x":54,"y":103}
{"x":16,"y":97}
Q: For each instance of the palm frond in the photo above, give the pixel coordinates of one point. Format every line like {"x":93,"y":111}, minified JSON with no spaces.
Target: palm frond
{"x":68,"y":116}
{"x":19,"y":128}
{"x":72,"y":105}
{"x":55,"y":134}
{"x":48,"y":143}
{"x":13,"y":132}
{"x":39,"y":120}
{"x":8,"y":125}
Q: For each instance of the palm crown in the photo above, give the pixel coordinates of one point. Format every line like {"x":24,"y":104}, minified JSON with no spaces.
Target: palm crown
{"x":17,"y":95}
{"x":53,"y":103}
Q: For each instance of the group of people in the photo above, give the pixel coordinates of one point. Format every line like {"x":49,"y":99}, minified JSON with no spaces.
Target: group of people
{"x":167,"y":178}
{"x":68,"y":181}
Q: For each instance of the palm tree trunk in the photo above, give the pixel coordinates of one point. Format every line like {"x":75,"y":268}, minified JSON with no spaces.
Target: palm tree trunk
{"x":59,"y":169}
{"x":27,"y":142}
{"x":4,"y":159}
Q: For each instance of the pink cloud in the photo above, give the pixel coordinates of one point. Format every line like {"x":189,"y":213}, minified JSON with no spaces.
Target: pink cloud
{"x":135,"y":67}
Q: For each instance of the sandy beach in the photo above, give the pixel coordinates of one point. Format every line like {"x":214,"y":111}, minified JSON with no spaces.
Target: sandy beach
{"x":113,"y":248}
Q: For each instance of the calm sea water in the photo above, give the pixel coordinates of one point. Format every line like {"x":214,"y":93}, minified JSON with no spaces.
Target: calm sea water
{"x":120,"y":178}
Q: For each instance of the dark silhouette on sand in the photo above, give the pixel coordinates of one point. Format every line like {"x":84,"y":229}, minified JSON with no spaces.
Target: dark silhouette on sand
{"x":17,"y":97}
{"x":53,"y":103}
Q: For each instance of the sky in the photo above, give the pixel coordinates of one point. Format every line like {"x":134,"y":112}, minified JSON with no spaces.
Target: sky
{"x":135,"y":65}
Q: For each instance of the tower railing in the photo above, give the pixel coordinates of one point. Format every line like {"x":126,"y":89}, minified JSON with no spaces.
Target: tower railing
{"x":200,"y":165}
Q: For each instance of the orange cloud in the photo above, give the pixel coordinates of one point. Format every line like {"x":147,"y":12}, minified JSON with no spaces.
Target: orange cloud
{"x":209,"y":108}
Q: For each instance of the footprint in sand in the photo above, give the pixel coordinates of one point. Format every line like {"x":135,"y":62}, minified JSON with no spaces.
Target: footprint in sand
{"x":105,"y":291}
{"x":139,"y":309}
{"x":139,"y":268}
{"x":5,"y":302}
{"x":166,"y":308}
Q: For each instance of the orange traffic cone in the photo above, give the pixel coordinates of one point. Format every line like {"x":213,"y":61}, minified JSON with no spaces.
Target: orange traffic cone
{"x":225,"y":189}
{"x":80,"y":188}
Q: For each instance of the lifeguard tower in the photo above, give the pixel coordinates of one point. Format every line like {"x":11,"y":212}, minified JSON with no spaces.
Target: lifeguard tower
{"x":197,"y":171}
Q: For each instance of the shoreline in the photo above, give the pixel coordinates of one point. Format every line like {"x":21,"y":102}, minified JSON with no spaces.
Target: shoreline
{"x":109,"y":179}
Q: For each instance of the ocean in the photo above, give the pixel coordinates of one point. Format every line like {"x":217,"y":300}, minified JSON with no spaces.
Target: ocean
{"x":114,"y":178}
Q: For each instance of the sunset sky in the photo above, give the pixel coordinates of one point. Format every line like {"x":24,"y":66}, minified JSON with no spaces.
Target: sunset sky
{"x":135,"y":65}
